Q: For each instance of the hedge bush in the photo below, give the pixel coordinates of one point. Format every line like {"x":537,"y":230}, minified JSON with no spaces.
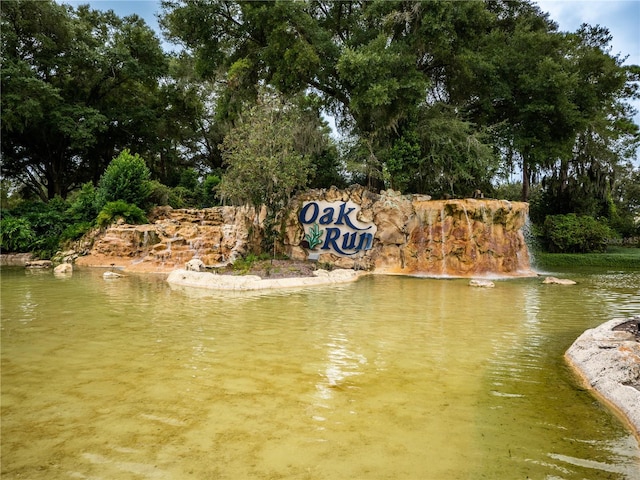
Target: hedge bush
{"x":16,"y":234}
{"x":127,"y":179}
{"x":575,"y":234}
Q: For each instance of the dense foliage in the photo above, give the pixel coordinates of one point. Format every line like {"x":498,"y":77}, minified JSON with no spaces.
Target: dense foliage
{"x":442,"y":98}
{"x":127,"y":179}
{"x":120,"y":210}
{"x":575,"y":234}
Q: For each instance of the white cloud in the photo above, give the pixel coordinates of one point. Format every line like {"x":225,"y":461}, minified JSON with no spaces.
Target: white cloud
{"x":621,"y":17}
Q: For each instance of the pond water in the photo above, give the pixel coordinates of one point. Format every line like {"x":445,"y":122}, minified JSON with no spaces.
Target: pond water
{"x":385,"y":378}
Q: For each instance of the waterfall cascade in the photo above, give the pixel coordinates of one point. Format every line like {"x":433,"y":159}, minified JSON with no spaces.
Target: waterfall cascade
{"x":419,"y":236}
{"x":466,"y":238}
{"x":397,"y":234}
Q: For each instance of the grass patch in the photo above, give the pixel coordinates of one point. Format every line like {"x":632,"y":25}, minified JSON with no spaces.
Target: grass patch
{"x":614,"y":257}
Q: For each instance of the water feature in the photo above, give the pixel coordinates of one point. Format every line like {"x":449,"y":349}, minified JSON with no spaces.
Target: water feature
{"x":386,"y":378}
{"x":466,"y":237}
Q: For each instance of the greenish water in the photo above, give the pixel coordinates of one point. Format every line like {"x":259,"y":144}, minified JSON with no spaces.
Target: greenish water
{"x":385,"y":378}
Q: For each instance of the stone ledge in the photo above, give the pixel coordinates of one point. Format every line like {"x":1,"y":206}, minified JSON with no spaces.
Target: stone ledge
{"x":214,"y":281}
{"x":608,"y":362}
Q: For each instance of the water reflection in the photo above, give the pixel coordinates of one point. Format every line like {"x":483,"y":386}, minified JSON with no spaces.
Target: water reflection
{"x":342,"y":363}
{"x":389,"y":377}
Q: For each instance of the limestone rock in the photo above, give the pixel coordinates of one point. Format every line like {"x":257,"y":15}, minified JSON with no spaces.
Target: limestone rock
{"x":15,"y":259}
{"x":417,"y":235}
{"x":211,"y":281}
{"x":109,"y":275}
{"x":195,"y":265}
{"x":482,"y":283}
{"x":413,"y":235}
{"x":558,"y":281}
{"x":213,"y":235}
{"x":38,"y":264}
{"x":63,"y":269}
{"x":609,"y":362}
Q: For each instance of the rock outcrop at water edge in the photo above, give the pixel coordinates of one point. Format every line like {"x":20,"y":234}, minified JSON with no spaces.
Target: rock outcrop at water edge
{"x":608,"y":361}
{"x":215,"y":236}
{"x":213,"y":281}
{"x":418,"y":236}
{"x":352,"y":229}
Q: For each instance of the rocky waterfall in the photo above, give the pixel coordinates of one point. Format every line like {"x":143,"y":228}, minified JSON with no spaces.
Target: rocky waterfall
{"x":351,"y":228}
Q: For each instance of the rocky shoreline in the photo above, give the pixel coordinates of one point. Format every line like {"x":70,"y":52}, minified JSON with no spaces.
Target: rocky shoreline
{"x":607,"y":359}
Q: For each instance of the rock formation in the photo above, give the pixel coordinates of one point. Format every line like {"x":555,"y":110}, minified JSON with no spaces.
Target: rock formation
{"x":350,"y":229}
{"x":215,"y":236}
{"x":608,"y":361}
{"x":558,"y":281}
{"x":63,"y":269}
{"x":417,"y":235}
{"x":213,"y":281}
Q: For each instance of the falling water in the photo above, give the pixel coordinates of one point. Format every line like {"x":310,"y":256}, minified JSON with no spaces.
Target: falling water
{"x":430,"y":220}
{"x":452,"y":244}
{"x":466,"y":216}
{"x":443,"y":270}
{"x":530,"y":241}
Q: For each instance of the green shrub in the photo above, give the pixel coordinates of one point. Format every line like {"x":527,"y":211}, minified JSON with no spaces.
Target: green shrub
{"x":207,"y":191}
{"x":83,"y":207}
{"x":508,"y":191}
{"x":38,"y":227}
{"x":16,"y":234}
{"x":575,"y":234}
{"x":182,"y":197}
{"x":159,"y":194}
{"x":127,"y":179}
{"x":189,"y":179}
{"x":119,"y":209}
{"x":47,"y":220}
{"x":75,"y":231}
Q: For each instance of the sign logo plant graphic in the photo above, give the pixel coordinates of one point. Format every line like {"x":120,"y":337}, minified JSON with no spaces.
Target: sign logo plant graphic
{"x":314,"y":237}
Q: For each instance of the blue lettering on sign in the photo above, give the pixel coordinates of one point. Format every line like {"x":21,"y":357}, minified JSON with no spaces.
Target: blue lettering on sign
{"x":303,"y":213}
{"x":344,"y":233}
{"x":327,"y":218}
{"x":345,"y":216}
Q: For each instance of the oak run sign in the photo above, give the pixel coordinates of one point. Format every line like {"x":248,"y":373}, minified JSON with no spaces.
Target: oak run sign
{"x":333,"y":227}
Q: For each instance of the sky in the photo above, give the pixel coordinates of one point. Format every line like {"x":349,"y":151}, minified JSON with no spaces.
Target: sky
{"x":621,"y":17}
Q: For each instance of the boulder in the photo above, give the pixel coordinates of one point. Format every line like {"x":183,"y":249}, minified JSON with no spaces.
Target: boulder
{"x":608,"y":361}
{"x":15,"y":259}
{"x":38,"y":264}
{"x":63,"y":269}
{"x":482,"y":283}
{"x":108,"y":275}
{"x":558,"y":281}
{"x":195,"y":265}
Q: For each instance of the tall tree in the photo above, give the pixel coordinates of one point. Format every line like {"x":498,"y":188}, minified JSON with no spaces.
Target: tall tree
{"x":265,"y":162}
{"x":77,"y":87}
{"x":605,"y":139}
{"x":375,"y":64}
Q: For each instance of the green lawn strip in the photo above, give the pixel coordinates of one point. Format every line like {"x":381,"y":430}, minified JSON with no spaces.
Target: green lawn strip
{"x":614,"y":257}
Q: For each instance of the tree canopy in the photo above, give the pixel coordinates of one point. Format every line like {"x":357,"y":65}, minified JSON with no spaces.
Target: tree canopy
{"x":433,"y":97}
{"x":495,"y":78}
{"x":77,"y":87}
